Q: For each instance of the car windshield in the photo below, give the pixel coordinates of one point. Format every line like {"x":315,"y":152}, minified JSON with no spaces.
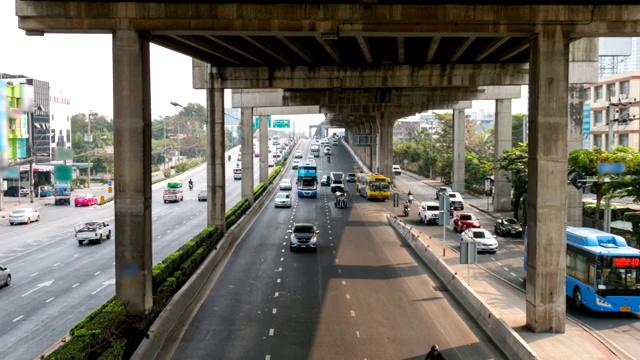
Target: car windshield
{"x":82,"y":196}
{"x":18,"y":211}
{"x":511,"y":221}
{"x":480,"y":235}
{"x":351,"y":175}
{"x":467,"y":217}
{"x":282,"y":196}
{"x":453,"y":195}
{"x":303,"y":229}
{"x":433,"y":208}
{"x":285,"y":181}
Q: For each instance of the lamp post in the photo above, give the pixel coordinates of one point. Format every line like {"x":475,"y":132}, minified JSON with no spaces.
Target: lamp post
{"x":89,"y":138}
{"x":178,"y":134}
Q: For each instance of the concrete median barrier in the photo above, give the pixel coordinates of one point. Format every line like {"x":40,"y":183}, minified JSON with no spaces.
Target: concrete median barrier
{"x":512,"y":344}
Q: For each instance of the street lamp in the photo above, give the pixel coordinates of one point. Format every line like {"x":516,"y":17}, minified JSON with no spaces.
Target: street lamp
{"x":178,"y":124}
{"x":89,"y":138}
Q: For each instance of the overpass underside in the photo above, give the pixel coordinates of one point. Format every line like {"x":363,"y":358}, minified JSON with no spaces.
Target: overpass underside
{"x":365,"y":64}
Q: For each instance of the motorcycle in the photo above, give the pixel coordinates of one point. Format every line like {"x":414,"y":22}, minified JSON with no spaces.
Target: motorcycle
{"x":410,"y":198}
{"x":341,"y":201}
{"x":190,"y":186}
{"x":328,"y":159}
{"x":405,"y":210}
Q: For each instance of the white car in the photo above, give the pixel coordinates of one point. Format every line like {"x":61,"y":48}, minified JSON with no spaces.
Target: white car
{"x":5,"y":276}
{"x":429,"y":212}
{"x":295,"y":163}
{"x":271,"y":163}
{"x":311,"y":161}
{"x":24,"y":215}
{"x":327,"y":151}
{"x":92,"y":231}
{"x":455,"y":199}
{"x":282,"y":200}
{"x":285,"y":184}
{"x":298,"y":154}
{"x":484,"y":239}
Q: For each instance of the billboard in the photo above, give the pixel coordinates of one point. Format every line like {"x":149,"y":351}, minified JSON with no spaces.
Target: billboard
{"x":614,"y":46}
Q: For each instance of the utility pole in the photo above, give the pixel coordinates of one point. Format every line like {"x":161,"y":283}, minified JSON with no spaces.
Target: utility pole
{"x":89,"y":138}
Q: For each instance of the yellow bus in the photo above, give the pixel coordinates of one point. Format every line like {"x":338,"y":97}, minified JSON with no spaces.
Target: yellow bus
{"x":373,"y":186}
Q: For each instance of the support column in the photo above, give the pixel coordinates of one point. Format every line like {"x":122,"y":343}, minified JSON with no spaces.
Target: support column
{"x":547,"y":192}
{"x":246,"y":139}
{"x":457,"y":178}
{"x":264,"y":149}
{"x":583,"y":69}
{"x":374,"y":131}
{"x":502,"y":187}
{"x":216,"y":187}
{"x":385,"y":148}
{"x":132,"y":158}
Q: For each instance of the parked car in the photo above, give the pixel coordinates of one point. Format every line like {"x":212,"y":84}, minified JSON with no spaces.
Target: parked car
{"x":92,"y":231}
{"x":282,"y":200}
{"x":303,"y":236}
{"x":325,"y":180}
{"x":463,"y":221}
{"x":14,"y":191}
{"x":202,"y":195}
{"x":351,"y":177}
{"x":508,"y":227}
{"x":23,"y":215}
{"x":85,"y":199}
{"x":271,"y":163}
{"x":442,"y":190}
{"x":485,"y":241}
{"x":429,"y":213}
{"x":285,"y":184}
{"x":455,"y":199}
{"x":295,"y":163}
{"x":5,"y":276}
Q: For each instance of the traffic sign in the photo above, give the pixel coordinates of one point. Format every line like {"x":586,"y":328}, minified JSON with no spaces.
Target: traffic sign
{"x":110,"y":183}
{"x":611,"y":168}
{"x":282,"y":124}
{"x":110,"y":189}
{"x":101,"y":199}
{"x":256,"y":121}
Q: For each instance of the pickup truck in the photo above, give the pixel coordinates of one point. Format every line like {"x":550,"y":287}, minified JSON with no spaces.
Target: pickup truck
{"x":62,"y":194}
{"x":92,"y":231}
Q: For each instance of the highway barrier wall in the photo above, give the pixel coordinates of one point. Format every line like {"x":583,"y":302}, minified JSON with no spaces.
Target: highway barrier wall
{"x":500,"y":332}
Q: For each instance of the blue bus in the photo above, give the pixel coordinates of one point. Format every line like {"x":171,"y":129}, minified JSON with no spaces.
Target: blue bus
{"x":307,"y":181}
{"x":603,"y":273}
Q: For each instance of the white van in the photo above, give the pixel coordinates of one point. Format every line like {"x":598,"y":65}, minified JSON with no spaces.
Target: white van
{"x":396,"y":169}
{"x":237,"y":173}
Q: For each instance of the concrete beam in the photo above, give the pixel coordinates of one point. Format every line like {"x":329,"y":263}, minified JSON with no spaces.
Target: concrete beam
{"x":389,"y":76}
{"x":286,"y":110}
{"x":315,"y":19}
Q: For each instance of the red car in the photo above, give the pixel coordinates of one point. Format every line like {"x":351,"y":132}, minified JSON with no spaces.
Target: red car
{"x":465,"y":220}
{"x":85,"y":199}
{"x":256,"y":154}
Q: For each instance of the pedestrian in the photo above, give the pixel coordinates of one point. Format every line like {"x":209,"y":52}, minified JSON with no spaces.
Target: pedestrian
{"x":435,"y":354}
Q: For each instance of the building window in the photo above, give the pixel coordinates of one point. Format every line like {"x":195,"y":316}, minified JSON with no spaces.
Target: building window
{"x":598,"y":92}
{"x":597,"y":115}
{"x":624,"y":89}
{"x":68,"y":136}
{"x":53,"y":136}
{"x":53,"y":117}
{"x":623,"y":139}
{"x":597,"y":141}
{"x":587,"y":94}
{"x":611,"y":90}
{"x":623,"y":115}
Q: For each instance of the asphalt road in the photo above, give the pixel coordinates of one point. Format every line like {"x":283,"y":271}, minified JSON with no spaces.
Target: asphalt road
{"x":56,"y":283}
{"x":622,"y":330}
{"x":362,"y":296}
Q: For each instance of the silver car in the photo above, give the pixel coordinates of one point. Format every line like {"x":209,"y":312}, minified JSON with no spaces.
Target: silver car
{"x":24,"y":215}
{"x":285,"y":184}
{"x":202,"y":195}
{"x":484,"y":239}
{"x":5,"y":276}
{"x":303,"y":236}
{"x":283,"y":200}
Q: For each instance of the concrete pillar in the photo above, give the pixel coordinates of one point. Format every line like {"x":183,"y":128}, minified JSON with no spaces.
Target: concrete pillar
{"x":385,"y":147}
{"x":264,"y":149}
{"x":502,"y":187}
{"x":583,"y":69}
{"x":457,"y":178}
{"x":132,"y":158}
{"x":246,"y":139}
{"x":374,"y":130}
{"x":547,"y":192}
{"x":216,"y":187}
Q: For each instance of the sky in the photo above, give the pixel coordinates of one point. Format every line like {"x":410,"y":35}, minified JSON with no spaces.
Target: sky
{"x":79,"y":65}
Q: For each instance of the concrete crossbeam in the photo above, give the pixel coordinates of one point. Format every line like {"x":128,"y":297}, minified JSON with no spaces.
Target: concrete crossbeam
{"x":286,"y":110}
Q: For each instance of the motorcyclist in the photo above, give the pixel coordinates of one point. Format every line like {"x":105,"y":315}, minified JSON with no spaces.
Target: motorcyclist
{"x":410,"y":195}
{"x":190,"y":184}
{"x":229,"y":158}
{"x":406,"y":207}
{"x":329,"y":159}
{"x":435,"y":354}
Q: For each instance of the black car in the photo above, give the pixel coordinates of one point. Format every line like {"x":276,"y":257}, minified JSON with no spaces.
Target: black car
{"x":325,"y":181}
{"x":351,"y":177}
{"x":508,"y":227}
{"x":14,"y":190}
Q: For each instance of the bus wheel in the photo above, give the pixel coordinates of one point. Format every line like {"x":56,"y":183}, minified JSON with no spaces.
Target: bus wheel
{"x":577,"y":297}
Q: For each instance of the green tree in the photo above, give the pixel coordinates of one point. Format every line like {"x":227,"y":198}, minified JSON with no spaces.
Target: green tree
{"x":515,"y":162}
{"x":516,"y":128}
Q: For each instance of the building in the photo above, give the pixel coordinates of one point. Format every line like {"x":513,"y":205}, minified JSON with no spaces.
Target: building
{"x":404,"y":129}
{"x":626,"y":129}
{"x":632,"y":63}
{"x":60,"y":122}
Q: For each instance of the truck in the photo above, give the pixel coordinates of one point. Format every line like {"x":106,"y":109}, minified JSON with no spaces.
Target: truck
{"x":91,"y":231}
{"x":62,"y":194}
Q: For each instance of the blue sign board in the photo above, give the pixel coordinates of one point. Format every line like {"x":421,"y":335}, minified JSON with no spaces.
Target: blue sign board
{"x":611,"y":168}
{"x":586,"y":119}
{"x":110,"y":183}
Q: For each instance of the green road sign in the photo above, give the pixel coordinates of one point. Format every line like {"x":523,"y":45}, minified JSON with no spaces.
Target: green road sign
{"x":64,"y":154}
{"x":282,"y":124}
{"x":62,"y":173}
{"x":256,"y":121}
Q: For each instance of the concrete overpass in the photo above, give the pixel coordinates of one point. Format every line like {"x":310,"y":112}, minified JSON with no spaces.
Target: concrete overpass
{"x":351,"y":45}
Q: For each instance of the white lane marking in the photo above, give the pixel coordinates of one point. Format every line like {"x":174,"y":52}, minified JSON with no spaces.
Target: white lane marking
{"x":339,"y":271}
{"x":279,"y":269}
{"x":48,"y":283}
{"x":268,"y":357}
{"x":168,"y":231}
{"x":276,"y":294}
{"x":159,"y":237}
{"x":348,"y":297}
{"x":521,"y":279}
{"x":49,"y":300}
{"x":76,"y":255}
{"x":358,"y":334}
{"x":337,"y":259}
{"x":278,"y":281}
{"x":505,"y":268}
{"x":271,"y":332}
{"x":18,"y":249}
{"x":492,"y":258}
{"x":513,"y":274}
{"x":498,"y":262}
{"x":114,"y":264}
{"x":282,"y":259}
{"x":274,"y":311}
{"x":353,"y":313}
{"x":18,"y":318}
{"x":334,"y":251}
{"x":56,"y":264}
{"x":344,"y":282}
{"x":282,"y":250}
{"x":104,"y":285}
{"x":74,"y":285}
{"x":34,"y":274}
{"x":98,"y":273}
{"x":177,"y":226}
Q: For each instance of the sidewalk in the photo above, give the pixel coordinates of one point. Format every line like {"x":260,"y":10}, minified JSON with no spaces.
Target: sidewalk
{"x":508,"y":303}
